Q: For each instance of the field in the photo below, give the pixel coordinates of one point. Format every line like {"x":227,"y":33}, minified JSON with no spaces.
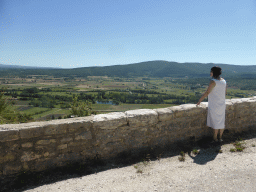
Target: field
{"x":45,"y":97}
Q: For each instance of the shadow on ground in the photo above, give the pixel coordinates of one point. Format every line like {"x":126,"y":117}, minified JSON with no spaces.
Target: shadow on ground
{"x":30,"y":180}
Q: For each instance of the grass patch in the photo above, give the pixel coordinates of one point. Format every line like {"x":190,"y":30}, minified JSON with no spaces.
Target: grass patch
{"x":238,"y":145}
{"x":240,"y":149}
{"x":195,"y":151}
{"x":182,"y":156}
{"x":182,"y":153}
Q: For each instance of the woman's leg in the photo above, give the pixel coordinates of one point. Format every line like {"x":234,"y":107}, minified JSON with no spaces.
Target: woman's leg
{"x":221,"y":132}
{"x":215,"y":134}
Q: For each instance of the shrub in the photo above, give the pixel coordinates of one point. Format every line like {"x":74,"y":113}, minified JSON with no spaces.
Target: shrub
{"x":80,"y":108}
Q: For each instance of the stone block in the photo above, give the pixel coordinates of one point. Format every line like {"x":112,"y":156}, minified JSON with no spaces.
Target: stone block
{"x":193,"y":110}
{"x":29,"y":156}
{"x":229,"y":106}
{"x":141,"y":117}
{"x":46,"y":154}
{"x":237,"y":100}
{"x":197,"y":122}
{"x":7,"y":158}
{"x":78,"y":146}
{"x":242,"y":109}
{"x":198,"y":132}
{"x":12,"y":168}
{"x":54,"y":129}
{"x":229,"y":114}
{"x":63,"y":146}
{"x":164,"y":114}
{"x":84,"y":135}
{"x":253,"y":104}
{"x":154,"y":131}
{"x":110,"y":120}
{"x":31,"y":132}
{"x":12,"y":145}
{"x":68,"y":157}
{"x":46,"y":142}
{"x":178,"y":111}
{"x":79,"y":123}
{"x":104,"y":137}
{"x":183,"y":122}
{"x":27,"y":145}
{"x":160,"y":140}
{"x":78,"y":143}
{"x":230,"y":124}
{"x":9,"y":135}
{"x":46,"y":163}
{"x":66,"y":140}
{"x":135,"y":142}
{"x":169,"y":126}
{"x":196,"y":112}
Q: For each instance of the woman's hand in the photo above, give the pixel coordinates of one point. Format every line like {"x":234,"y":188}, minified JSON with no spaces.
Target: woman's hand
{"x":200,"y":100}
{"x":207,"y":92}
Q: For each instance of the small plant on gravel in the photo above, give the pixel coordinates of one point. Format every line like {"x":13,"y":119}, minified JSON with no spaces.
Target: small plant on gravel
{"x":182,"y":158}
{"x":220,"y":151}
{"x":232,"y":150}
{"x":195,"y":151}
{"x":159,"y":156}
{"x":253,"y":145}
{"x":139,"y":171}
{"x":240,"y":138}
{"x":240,"y":149}
{"x":135,"y":166}
{"x":237,"y":144}
{"x":145,"y":162}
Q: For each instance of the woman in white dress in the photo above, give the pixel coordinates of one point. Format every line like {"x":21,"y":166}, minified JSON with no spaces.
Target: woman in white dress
{"x":216,"y":93}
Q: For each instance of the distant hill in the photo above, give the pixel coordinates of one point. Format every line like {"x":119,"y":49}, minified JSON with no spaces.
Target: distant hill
{"x":3,"y":66}
{"x":147,"y":69}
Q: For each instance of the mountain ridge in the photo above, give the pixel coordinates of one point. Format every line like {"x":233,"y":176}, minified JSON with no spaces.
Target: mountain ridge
{"x":157,"y":68}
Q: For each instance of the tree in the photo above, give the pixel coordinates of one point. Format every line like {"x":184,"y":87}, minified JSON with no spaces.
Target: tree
{"x":81,"y":108}
{"x":8,"y":114}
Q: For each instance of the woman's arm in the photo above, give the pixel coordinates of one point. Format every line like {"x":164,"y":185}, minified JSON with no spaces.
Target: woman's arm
{"x":207,"y":92}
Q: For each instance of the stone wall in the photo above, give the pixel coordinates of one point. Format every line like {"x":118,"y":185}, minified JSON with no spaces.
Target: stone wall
{"x":39,"y":146}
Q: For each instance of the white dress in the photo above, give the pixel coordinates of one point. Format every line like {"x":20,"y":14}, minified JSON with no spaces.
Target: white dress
{"x":217,"y":105}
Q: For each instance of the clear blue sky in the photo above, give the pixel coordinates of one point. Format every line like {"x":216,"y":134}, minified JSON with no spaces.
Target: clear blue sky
{"x":82,"y":33}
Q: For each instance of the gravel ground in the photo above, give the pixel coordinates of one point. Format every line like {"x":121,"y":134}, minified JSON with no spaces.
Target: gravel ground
{"x":205,"y":171}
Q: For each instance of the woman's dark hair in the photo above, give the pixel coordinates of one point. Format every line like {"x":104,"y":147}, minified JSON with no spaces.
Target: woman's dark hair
{"x":216,"y":71}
